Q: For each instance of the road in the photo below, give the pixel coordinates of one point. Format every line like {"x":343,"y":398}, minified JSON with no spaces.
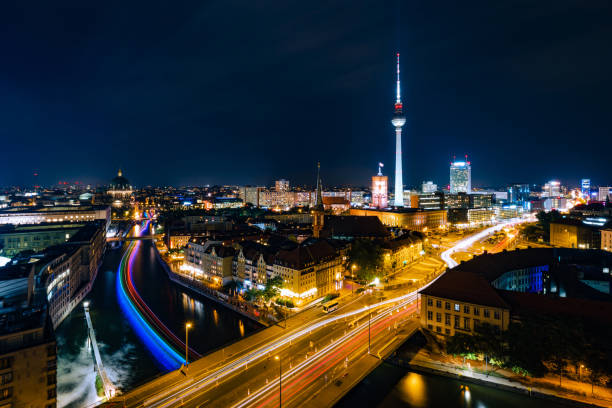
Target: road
{"x":314,"y":350}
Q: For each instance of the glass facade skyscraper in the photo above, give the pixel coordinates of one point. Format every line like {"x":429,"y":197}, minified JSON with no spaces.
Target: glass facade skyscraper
{"x":460,"y":177}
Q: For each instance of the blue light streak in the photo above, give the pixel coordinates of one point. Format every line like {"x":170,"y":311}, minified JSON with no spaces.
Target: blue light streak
{"x":166,"y":356}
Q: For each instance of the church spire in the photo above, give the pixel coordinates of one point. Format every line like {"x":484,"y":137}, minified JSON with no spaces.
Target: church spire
{"x":319,"y":198}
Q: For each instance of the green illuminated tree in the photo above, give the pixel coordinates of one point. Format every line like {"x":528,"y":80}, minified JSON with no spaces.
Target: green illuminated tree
{"x":367,"y":255}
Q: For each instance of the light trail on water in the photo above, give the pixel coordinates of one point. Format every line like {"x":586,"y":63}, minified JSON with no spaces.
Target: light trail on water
{"x":159,"y":340}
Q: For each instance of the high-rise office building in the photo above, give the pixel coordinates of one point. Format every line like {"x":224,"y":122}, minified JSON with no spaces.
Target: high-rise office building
{"x":379,"y":189}
{"x":518,"y":193}
{"x":282,"y":185}
{"x":552,"y":189}
{"x":460,"y":177}
{"x":604,"y":193}
{"x":398,"y":121}
{"x":585,"y":190}
{"x":429,"y":187}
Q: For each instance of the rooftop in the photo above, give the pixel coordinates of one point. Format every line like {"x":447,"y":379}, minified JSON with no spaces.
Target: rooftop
{"x":355,"y":226}
{"x":467,"y":287}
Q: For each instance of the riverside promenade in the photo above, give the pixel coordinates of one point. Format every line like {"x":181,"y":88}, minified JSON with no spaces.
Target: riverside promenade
{"x":573,"y":393}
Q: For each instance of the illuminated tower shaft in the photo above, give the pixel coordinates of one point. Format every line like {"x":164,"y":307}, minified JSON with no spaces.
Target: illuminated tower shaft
{"x":398,"y":121}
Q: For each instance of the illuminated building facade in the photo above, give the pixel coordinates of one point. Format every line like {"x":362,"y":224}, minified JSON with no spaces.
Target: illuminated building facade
{"x":458,"y":302}
{"x":411,"y":219}
{"x":380,"y":188}
{"x":398,"y":121}
{"x":17,"y":238}
{"x":28,"y":360}
{"x":250,"y":194}
{"x":400,"y":252}
{"x":312,"y":269}
{"x":459,"y":200}
{"x":606,"y":239}
{"x":552,"y":189}
{"x":604,"y":193}
{"x":411,"y":199}
{"x":282,"y":185}
{"x":37,"y":215}
{"x":431,"y":201}
{"x":460,"y":177}
{"x":518,"y":193}
{"x":471,"y":216}
{"x":209,"y":261}
{"x":429,"y":187}
{"x":582,"y":234}
{"x":585,"y":188}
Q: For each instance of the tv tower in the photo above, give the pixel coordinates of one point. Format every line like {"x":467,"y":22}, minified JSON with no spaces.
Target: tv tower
{"x":398,"y":121}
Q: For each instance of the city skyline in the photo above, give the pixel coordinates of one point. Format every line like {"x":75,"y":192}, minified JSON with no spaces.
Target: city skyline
{"x":113,"y":92}
{"x":251,"y":204}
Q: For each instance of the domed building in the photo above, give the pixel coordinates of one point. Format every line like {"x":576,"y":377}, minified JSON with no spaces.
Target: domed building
{"x":120,"y":188}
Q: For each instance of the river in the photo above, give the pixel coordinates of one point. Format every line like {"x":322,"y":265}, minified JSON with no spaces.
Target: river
{"x":127,"y":360}
{"x":389,"y":387}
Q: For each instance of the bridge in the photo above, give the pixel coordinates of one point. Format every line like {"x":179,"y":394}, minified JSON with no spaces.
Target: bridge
{"x":109,"y":388}
{"x":132,"y":238}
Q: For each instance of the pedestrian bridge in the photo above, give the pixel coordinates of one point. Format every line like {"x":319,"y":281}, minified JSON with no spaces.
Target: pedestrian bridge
{"x":109,"y":388}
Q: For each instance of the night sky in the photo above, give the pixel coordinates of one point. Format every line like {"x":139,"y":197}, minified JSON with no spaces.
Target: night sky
{"x":244,"y":92}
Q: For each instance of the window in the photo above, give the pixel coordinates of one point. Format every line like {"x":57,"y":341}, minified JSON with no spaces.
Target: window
{"x":466,"y":323}
{"x":466,"y":309}
{"x":438,"y":317}
{"x":447,"y":331}
{"x":457,"y":307}
{"x":51,"y":379}
{"x":487,"y":313}
{"x":457,"y":322}
{"x":429,"y":302}
{"x":438,"y":329}
{"x":447,"y":319}
{"x":476,"y":311}
{"x":439,"y":304}
{"x":476,"y":323}
{"x":6,"y":378}
{"x":6,"y":362}
{"x":496,"y":314}
{"x":6,"y":393}
{"x":447,"y":306}
{"x":429,"y":326}
{"x":51,"y":393}
{"x":429,"y":315}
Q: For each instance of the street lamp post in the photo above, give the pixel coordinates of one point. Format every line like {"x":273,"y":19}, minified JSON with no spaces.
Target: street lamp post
{"x":280,"y":382}
{"x":369,"y":319}
{"x":187,"y":327}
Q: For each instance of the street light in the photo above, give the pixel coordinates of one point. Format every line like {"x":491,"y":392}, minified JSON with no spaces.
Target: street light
{"x":187,"y":327}
{"x":280,"y":381}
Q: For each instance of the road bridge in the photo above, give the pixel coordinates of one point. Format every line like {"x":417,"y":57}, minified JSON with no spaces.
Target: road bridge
{"x":132,"y":238}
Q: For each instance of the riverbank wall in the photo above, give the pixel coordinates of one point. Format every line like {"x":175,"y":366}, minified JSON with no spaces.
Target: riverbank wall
{"x":434,"y":368}
{"x":205,"y":291}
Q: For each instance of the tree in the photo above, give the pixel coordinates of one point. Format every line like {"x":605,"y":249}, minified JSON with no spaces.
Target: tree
{"x":273,"y":288}
{"x":461,"y":344}
{"x":367,"y":255}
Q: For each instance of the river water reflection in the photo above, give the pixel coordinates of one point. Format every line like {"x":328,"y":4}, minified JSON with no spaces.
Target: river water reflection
{"x":127,"y":361}
{"x":389,"y":386}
